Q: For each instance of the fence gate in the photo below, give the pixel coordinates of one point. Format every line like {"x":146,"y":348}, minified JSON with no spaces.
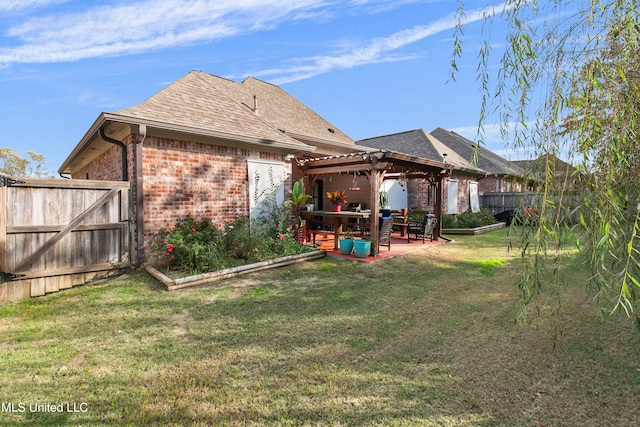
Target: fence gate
{"x":59,"y":233}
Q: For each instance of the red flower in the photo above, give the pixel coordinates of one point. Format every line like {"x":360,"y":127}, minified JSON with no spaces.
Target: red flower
{"x":193,"y":230}
{"x":170,"y":248}
{"x":281,"y":236}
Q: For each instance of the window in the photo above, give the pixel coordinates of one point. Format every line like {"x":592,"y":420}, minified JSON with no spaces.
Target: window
{"x":452,"y":196}
{"x":474,"y":202}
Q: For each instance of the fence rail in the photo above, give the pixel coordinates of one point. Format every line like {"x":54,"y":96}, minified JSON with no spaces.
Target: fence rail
{"x":570,"y":202}
{"x":500,"y":202}
{"x":59,"y":233}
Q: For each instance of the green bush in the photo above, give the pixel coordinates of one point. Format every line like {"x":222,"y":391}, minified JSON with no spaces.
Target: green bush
{"x":449,"y":221}
{"x":417,"y":215}
{"x":468,"y":219}
{"x":196,"y":247}
{"x":191,"y":245}
{"x":238,"y":243}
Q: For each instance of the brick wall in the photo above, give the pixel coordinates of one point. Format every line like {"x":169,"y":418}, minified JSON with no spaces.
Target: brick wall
{"x":107,"y":167}
{"x":418,"y":197}
{"x":492,"y":184}
{"x":182,"y":177}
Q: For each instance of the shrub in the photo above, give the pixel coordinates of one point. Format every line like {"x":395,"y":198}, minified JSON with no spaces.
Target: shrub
{"x":283,"y":244}
{"x":417,"y":215}
{"x":193,"y":246}
{"x":238,"y":243}
{"x":468,"y":219}
{"x":449,"y":221}
{"x":197,"y":247}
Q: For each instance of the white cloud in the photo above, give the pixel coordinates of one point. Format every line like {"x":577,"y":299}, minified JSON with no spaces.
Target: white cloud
{"x":143,"y":26}
{"x":18,"y":5}
{"x":151,"y":25}
{"x":376,"y":51}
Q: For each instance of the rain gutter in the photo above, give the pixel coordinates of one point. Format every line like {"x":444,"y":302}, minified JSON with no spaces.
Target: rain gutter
{"x":123,"y":148}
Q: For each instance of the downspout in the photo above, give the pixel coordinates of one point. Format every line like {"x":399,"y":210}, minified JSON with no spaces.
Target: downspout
{"x":125,"y":171}
{"x":139,"y":191}
{"x":438,"y":207}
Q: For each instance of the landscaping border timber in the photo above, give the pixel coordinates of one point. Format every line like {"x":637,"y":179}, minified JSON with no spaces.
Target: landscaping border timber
{"x":201,"y":279}
{"x":477,"y":230}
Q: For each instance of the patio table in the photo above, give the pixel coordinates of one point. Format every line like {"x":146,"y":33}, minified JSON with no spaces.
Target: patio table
{"x":339,"y":218}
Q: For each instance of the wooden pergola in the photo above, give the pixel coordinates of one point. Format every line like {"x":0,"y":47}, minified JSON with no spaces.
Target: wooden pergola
{"x":376,"y":167}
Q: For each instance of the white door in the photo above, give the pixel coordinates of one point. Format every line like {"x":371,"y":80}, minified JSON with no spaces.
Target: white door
{"x":266,"y":179}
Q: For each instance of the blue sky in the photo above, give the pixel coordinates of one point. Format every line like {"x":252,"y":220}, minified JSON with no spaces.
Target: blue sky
{"x":370,"y":67}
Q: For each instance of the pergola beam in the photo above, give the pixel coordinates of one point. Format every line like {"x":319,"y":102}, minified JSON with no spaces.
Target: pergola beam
{"x":324,"y":170}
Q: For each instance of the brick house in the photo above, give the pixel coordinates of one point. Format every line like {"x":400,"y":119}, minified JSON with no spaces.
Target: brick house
{"x":466,"y":182}
{"x":458,"y":187}
{"x":501,"y":174}
{"x":192,"y":147}
{"x":566,"y":176}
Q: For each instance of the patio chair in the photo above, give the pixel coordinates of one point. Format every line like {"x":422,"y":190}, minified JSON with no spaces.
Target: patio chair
{"x":384,"y":236}
{"x":418,"y":231}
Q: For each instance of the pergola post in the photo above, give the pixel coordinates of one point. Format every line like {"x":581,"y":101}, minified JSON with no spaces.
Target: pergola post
{"x":438,"y":206}
{"x":375,"y":179}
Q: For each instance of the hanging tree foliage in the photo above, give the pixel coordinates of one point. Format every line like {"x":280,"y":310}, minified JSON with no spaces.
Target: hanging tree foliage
{"x":569,"y":86}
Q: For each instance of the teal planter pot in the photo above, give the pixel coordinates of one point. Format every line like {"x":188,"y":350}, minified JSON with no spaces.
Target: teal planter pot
{"x":362,"y":248}
{"x":346,"y":246}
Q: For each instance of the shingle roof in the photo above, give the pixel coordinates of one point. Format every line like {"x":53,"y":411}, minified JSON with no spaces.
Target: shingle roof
{"x":203,"y":104}
{"x":420,"y":144}
{"x":202,"y":101}
{"x":487,"y":160}
{"x":539,"y":164}
{"x":252,"y":108}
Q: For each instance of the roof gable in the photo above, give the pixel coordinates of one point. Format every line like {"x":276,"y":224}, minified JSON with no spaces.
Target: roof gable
{"x":284,"y":112}
{"x":201,"y":101}
{"x":420,"y":144}
{"x":486,"y":159}
{"x":252,"y":108}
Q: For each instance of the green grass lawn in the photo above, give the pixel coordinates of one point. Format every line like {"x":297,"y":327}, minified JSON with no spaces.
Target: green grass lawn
{"x":426,"y":339}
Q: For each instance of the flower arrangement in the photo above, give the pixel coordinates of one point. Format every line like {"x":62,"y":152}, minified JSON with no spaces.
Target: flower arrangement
{"x":337,"y":197}
{"x":530,"y":215}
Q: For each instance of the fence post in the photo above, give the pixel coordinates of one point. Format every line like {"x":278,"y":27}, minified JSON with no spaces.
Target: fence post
{"x":3,"y":228}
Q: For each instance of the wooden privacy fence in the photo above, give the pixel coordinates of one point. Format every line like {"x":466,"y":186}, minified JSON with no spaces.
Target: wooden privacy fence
{"x":59,"y":233}
{"x":500,"y":202}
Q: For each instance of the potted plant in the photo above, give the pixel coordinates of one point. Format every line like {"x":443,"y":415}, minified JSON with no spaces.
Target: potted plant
{"x":337,"y":198}
{"x":296,"y":201}
{"x":346,"y":243}
{"x":384,"y":203}
{"x":362,"y":247}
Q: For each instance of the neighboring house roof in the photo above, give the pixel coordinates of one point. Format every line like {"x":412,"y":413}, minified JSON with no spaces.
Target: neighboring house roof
{"x":538,"y":166}
{"x":206,"y":105}
{"x":566,"y":174}
{"x":421,"y":144}
{"x":486,"y":160}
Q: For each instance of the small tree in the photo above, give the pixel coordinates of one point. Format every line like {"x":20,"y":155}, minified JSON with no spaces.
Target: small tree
{"x":297,"y":199}
{"x":11,"y":163}
{"x":569,"y":83}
